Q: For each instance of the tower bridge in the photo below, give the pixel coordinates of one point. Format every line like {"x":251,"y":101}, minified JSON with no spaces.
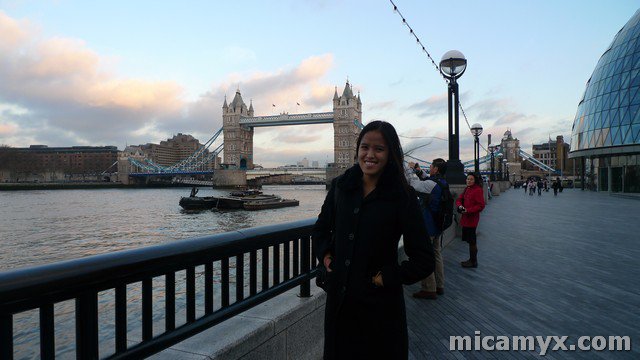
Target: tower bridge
{"x":239,"y":121}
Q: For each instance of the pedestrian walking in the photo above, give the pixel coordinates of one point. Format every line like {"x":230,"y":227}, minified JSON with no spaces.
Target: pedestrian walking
{"x":556,"y":186}
{"x":532,"y":187}
{"x":470,"y":203}
{"x":356,"y":239}
{"x":539,"y":185}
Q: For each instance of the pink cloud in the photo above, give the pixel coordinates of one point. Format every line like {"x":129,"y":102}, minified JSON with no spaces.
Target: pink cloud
{"x":7,"y":129}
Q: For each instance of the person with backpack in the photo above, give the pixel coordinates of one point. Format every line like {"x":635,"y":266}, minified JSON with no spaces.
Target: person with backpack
{"x":470,"y":204}
{"x":437,"y":208}
{"x":539,"y":186}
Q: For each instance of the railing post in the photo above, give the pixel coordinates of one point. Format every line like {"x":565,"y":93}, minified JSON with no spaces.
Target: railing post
{"x":305,"y":262}
{"x":6,"y":336}
{"x":47,"y":343}
{"x":87,"y":326}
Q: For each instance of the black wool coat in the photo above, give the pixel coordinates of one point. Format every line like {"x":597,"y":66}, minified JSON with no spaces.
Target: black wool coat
{"x":363,"y":321}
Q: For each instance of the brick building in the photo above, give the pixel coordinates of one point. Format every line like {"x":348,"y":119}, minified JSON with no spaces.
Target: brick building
{"x":40,"y":163}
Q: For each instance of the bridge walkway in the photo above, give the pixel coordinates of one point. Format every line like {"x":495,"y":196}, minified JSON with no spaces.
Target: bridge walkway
{"x":566,"y":265}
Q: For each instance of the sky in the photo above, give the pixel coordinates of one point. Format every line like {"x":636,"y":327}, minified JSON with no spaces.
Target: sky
{"x":123,"y":73}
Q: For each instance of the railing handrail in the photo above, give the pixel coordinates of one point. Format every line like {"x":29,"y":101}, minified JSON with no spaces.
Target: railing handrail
{"x":44,"y":285}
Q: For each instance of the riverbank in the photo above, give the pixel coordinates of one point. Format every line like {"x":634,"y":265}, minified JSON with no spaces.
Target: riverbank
{"x":84,"y":185}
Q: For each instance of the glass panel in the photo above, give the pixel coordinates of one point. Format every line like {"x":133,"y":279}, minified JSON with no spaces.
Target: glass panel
{"x":624,"y":116}
{"x":598,"y":138}
{"x":635,"y":79}
{"x":635,"y":128}
{"x":625,"y":78}
{"x":615,"y":139}
{"x":625,"y":99}
{"x":628,"y":137}
{"x":613,"y":161}
{"x":607,"y":140}
{"x":579,"y":145}
{"x":603,"y":179}
{"x":615,"y":118}
{"x":622,"y":160}
{"x":635,"y":94}
{"x":633,"y":112}
{"x":616,"y":179}
{"x":607,"y":119}
{"x":632,"y":179}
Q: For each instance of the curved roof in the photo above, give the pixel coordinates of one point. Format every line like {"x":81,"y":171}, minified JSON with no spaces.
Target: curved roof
{"x":608,"y":116}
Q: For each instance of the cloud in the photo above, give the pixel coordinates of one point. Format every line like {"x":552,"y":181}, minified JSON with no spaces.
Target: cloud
{"x":383,"y":105}
{"x":70,"y":96}
{"x":433,"y":105}
{"x":7,"y":129}
{"x":296,"y":137}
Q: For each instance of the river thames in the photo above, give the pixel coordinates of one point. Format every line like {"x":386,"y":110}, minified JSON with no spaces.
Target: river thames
{"x":44,"y":226}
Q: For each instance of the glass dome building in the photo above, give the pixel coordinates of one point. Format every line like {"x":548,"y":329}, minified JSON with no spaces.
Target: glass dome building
{"x":606,"y":130}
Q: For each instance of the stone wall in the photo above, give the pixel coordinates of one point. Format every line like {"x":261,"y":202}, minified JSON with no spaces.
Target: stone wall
{"x":229,"y":178}
{"x":286,"y":327}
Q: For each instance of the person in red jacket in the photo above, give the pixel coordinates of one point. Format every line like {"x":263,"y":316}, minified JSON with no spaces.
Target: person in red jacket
{"x":470,"y":203}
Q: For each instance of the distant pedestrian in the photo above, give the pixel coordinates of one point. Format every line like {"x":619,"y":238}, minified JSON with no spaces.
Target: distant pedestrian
{"x":470,"y":203}
{"x":540,"y":184}
{"x":556,"y":186}
{"x":532,"y":187}
{"x":525,"y":185}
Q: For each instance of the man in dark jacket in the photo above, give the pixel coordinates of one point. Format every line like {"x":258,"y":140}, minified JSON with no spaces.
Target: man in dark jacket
{"x":431,"y":184}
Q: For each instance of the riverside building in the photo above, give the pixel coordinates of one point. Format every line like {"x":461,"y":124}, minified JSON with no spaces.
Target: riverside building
{"x":605,"y":137}
{"x":40,"y":163}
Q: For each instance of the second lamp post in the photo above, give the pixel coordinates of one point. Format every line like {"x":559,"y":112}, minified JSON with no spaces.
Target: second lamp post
{"x":452,"y":66}
{"x":476,"y":130}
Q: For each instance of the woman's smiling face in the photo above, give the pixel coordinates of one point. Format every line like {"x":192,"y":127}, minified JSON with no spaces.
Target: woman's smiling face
{"x":373,"y":154}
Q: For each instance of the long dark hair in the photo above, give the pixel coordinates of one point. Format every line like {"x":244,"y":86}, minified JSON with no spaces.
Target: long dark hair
{"x":394,"y":171}
{"x":477,"y":179}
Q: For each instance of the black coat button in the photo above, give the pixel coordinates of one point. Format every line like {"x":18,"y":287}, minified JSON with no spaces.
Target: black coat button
{"x":347,"y":262}
{"x":356,"y":210}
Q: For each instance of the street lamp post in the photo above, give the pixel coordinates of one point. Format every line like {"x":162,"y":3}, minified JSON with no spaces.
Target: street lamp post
{"x":476,"y":131}
{"x":506,"y":169}
{"x":452,"y":66}
{"x":499,"y":156}
{"x":492,"y":150}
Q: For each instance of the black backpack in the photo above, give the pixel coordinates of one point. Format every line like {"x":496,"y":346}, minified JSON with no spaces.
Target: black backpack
{"x":444,"y":217}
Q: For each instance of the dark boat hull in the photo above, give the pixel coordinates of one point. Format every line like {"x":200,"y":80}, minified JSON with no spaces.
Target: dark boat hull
{"x":263,"y":205}
{"x":198,"y":203}
{"x":223,"y":202}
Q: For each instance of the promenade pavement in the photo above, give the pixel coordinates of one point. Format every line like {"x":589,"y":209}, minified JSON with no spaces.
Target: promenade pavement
{"x":567,"y":265}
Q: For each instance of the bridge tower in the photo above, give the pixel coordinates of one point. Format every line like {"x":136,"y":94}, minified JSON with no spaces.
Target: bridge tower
{"x":347,"y":122}
{"x":238,"y":140}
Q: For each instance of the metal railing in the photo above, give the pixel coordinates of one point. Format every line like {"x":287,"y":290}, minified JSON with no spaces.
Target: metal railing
{"x":283,"y":251}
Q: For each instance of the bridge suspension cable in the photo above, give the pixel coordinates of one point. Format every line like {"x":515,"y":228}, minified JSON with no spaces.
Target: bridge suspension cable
{"x":194,"y":162}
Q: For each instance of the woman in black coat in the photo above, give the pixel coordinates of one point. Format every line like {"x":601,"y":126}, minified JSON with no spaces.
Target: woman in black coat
{"x":356,"y":238}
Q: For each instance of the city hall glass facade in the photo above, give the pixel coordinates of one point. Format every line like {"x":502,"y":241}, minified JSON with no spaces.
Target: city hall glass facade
{"x":606,"y":129}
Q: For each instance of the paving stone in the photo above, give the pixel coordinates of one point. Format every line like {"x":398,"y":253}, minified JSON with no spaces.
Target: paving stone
{"x":563,"y":265}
